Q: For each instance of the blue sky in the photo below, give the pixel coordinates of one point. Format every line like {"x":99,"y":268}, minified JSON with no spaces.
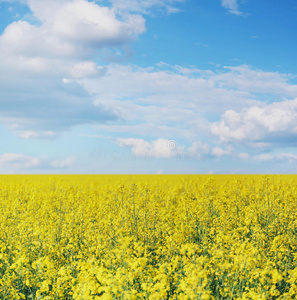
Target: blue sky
{"x":148,"y":86}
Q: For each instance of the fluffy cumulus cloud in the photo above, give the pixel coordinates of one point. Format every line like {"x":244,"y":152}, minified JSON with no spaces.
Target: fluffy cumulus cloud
{"x":69,"y":29}
{"x":65,"y":37}
{"x":268,"y":124}
{"x":82,"y":22}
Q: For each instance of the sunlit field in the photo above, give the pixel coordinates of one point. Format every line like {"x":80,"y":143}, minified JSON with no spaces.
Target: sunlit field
{"x":148,"y":237}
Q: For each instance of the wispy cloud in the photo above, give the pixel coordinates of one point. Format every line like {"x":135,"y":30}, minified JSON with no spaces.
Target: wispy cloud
{"x":146,"y":6}
{"x":246,"y":78}
{"x":65,"y":163}
{"x":169,"y":103}
{"x":232,"y":6}
{"x":290,"y":157}
{"x":160,"y":148}
{"x":17,"y":161}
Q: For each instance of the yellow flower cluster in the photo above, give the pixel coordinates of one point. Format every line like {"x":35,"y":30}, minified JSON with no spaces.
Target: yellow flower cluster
{"x":148,"y":237}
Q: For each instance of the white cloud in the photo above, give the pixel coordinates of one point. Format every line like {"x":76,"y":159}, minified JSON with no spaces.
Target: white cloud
{"x":232,"y":6}
{"x":83,"y":69}
{"x":272,"y":123}
{"x":219,"y":152}
{"x":41,"y":61}
{"x":42,"y":57}
{"x":86,"y":23}
{"x":205,"y":151}
{"x":162,"y":99}
{"x":146,"y":6}
{"x":246,"y":78}
{"x":44,"y":107}
{"x":290,"y":157}
{"x":69,"y":30}
{"x":178,"y":101}
{"x":149,"y":129}
{"x":175,"y":102}
{"x":164,"y":148}
{"x":64,"y":163}
{"x":199,"y":147}
{"x":16,"y":161}
{"x":29,"y":134}
{"x":243,"y":156}
{"x":160,"y":148}
{"x":264,"y":157}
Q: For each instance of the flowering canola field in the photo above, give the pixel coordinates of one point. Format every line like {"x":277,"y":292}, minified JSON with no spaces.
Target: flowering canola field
{"x":148,"y":237}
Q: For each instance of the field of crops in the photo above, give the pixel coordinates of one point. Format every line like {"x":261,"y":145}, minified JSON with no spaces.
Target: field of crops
{"x":148,"y":237}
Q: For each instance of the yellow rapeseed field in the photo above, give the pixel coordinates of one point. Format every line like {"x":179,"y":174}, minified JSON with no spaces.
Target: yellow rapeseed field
{"x":148,"y":237}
